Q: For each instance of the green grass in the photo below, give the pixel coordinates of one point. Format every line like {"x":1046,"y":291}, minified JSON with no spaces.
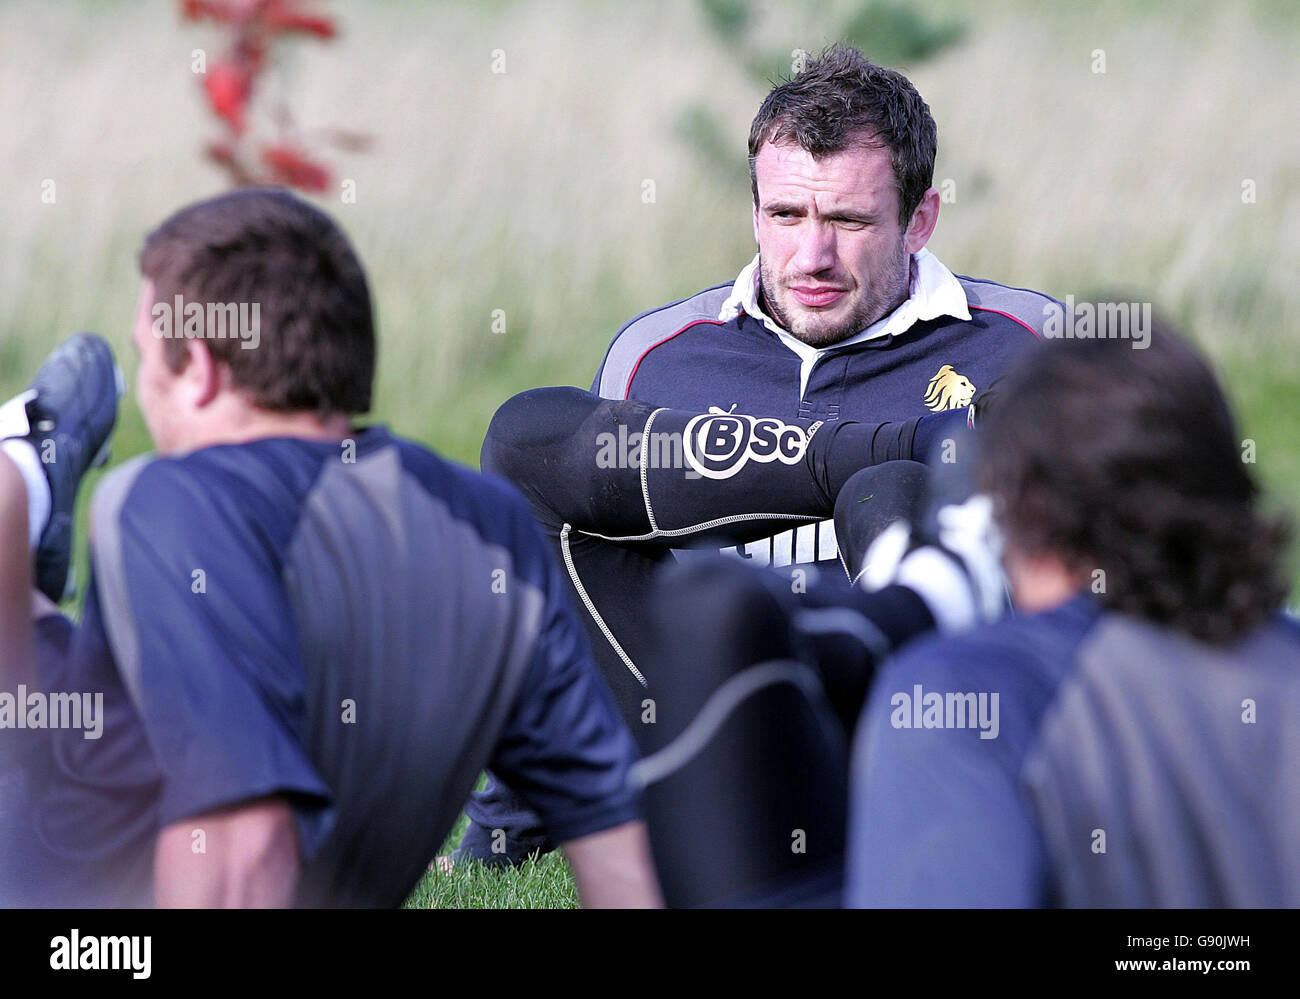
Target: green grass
{"x":541,"y":884}
{"x":544,"y":883}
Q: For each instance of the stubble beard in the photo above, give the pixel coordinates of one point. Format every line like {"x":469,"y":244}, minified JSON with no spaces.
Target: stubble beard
{"x":817,"y":331}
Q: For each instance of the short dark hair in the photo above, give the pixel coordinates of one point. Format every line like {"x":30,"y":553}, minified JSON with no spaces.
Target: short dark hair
{"x":839,"y":99}
{"x":1129,"y":461}
{"x":266,"y":246}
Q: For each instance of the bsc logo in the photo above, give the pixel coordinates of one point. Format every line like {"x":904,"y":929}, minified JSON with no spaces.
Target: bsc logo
{"x":718,"y":444}
{"x":949,"y":389}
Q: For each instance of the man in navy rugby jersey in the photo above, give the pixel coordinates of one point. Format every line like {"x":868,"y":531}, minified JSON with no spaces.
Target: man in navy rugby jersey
{"x":309,"y":638}
{"x":843,"y":314}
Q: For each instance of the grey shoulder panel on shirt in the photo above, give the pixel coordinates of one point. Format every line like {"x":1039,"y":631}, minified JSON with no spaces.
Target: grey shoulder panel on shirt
{"x":1029,"y":307}
{"x":1148,"y":744}
{"x":110,"y":569}
{"x":635,"y":339}
{"x":396,"y":539}
{"x":400,"y":615}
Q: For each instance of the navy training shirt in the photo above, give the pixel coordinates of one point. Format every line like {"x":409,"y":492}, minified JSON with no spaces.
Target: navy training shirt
{"x":1122,"y":765}
{"x":360,"y":630}
{"x":682,"y":355}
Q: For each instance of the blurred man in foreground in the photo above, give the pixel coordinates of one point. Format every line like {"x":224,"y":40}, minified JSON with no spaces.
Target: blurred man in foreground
{"x":310,"y":637}
{"x":1145,"y":710}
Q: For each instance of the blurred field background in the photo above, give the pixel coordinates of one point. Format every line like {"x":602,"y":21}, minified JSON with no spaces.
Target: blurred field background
{"x":522,"y":191}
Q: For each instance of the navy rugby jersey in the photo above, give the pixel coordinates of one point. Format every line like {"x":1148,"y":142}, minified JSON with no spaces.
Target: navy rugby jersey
{"x":1121,"y":764}
{"x":717,"y":350}
{"x":359,"y":636}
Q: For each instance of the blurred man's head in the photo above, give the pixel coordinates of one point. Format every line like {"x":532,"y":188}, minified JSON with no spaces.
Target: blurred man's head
{"x":841,"y":161}
{"x":254,"y":314}
{"x":1121,"y":470}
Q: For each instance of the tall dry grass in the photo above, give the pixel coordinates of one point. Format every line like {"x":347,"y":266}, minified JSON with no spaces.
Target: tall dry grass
{"x":523,"y":191}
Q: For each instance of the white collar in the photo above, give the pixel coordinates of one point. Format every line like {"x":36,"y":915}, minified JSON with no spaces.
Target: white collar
{"x":934,"y":291}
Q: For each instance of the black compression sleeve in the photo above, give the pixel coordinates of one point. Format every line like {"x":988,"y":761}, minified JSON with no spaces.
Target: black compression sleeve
{"x":633,"y":473}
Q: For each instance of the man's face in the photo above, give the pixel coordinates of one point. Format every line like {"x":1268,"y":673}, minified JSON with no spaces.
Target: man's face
{"x":834,"y":257}
{"x":157,"y":387}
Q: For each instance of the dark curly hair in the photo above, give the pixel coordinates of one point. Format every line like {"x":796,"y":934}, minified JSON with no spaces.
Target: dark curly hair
{"x":1129,"y":461}
{"x":840,"y":98}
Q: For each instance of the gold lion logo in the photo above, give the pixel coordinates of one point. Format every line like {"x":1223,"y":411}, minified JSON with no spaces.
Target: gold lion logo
{"x":949,"y":389}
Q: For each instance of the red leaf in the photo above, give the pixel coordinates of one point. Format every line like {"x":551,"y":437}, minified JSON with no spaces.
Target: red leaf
{"x":218,"y":10}
{"x":228,"y":88}
{"x":291,"y":167}
{"x":221,"y":152}
{"x":322,"y":27}
{"x":252,"y":27}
